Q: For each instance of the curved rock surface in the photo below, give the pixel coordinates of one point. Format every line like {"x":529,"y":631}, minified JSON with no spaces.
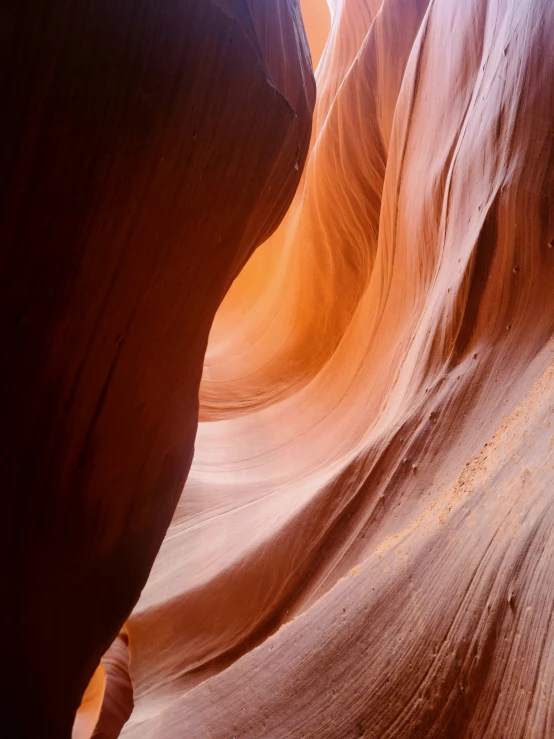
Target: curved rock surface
{"x":364,"y":545}
{"x":147,"y":148}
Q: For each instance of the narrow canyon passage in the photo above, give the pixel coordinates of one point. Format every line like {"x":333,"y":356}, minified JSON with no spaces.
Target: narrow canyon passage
{"x":278,"y":360}
{"x":364,"y":544}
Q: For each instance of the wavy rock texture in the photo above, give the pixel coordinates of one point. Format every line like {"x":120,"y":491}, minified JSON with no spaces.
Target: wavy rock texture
{"x":364,"y":544}
{"x":148,"y":146}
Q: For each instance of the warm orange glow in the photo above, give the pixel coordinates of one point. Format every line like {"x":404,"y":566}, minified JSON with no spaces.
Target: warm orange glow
{"x":369,"y":380}
{"x":342,"y":305}
{"x":91,"y":704}
{"x":317,"y":22}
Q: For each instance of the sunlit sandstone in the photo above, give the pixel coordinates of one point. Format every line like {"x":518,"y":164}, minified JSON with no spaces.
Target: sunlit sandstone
{"x":364,"y":543}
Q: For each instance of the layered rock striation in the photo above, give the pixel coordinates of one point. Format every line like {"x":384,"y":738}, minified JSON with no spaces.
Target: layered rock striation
{"x":364,"y":543}
{"x":363,"y":546}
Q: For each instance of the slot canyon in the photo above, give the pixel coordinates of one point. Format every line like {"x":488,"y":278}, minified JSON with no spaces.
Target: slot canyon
{"x":277,"y":323}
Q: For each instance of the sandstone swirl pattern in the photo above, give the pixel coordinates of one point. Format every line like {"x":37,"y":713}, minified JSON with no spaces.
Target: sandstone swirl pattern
{"x":365,"y":546}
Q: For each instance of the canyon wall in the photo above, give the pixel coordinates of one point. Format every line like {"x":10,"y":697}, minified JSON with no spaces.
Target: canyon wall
{"x":364,"y":544}
{"x":147,"y":148}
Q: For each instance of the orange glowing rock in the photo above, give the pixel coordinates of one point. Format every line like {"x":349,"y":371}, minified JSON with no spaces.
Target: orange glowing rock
{"x":364,"y":545}
{"x":363,"y":406}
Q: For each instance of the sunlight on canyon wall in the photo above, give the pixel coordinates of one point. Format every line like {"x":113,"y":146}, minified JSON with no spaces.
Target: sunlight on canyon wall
{"x":364,"y":546}
{"x":364,"y":543}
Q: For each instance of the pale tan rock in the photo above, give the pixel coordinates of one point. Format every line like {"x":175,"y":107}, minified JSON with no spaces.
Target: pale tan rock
{"x":311,"y":584}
